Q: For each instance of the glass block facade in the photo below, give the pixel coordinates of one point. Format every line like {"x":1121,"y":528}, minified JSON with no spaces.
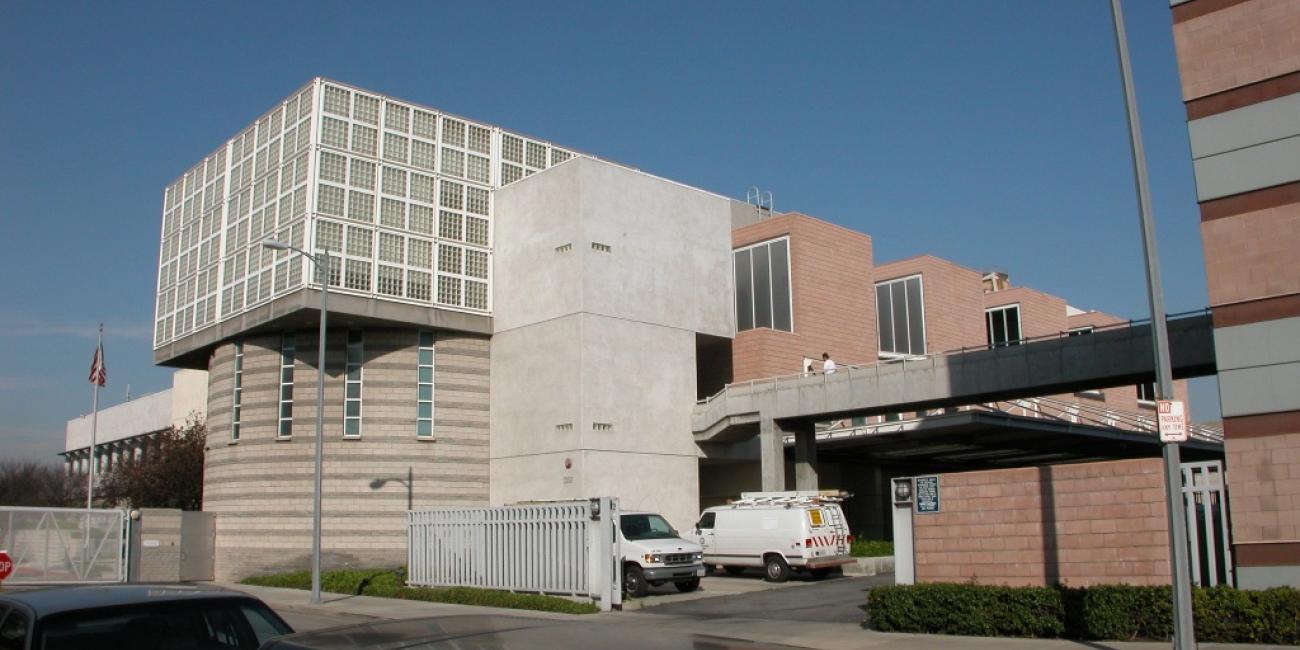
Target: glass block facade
{"x":399,"y":194}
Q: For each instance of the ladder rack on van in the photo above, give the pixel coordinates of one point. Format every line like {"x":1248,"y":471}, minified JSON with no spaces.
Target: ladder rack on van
{"x":799,"y":498}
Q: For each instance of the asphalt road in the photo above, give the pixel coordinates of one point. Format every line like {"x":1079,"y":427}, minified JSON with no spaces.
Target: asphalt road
{"x":834,"y":600}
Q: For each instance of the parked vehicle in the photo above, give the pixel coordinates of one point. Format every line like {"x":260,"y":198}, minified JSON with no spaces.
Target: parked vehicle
{"x":653,"y":553}
{"x":779,"y":531}
{"x":131,"y":617}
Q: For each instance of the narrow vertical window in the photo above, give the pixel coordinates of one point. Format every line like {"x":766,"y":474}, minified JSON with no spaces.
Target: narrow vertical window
{"x":287,"y":346}
{"x":1003,"y":325}
{"x":763,"y":297}
{"x":424,"y":397}
{"x":238,"y":391}
{"x":1146,"y":393}
{"x":900,"y":317}
{"x":352,"y":381}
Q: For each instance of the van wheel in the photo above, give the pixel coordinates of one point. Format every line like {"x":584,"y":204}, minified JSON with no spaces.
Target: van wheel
{"x":734,"y":570}
{"x":686,"y":586}
{"x":775,"y":569}
{"x":634,"y":581}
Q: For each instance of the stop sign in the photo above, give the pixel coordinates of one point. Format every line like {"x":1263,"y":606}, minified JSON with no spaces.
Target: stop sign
{"x":6,"y":565}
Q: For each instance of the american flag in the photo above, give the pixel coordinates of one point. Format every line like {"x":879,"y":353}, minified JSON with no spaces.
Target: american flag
{"x":98,"y":371}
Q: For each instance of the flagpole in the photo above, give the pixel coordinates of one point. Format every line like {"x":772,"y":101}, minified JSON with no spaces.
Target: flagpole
{"x":94,"y":422}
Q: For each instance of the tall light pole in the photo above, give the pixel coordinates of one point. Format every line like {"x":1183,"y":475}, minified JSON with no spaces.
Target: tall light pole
{"x":322,"y":274}
{"x":1184,"y":631}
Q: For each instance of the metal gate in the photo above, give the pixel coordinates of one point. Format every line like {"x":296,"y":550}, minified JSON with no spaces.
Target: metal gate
{"x":198,"y":536}
{"x":563,"y":547}
{"x":1209,"y":545}
{"x":64,"y":545}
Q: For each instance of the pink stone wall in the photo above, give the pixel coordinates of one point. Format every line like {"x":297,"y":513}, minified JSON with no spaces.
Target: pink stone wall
{"x":1083,"y":524}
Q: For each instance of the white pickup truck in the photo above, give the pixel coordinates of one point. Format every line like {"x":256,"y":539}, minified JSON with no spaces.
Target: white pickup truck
{"x":653,"y":553}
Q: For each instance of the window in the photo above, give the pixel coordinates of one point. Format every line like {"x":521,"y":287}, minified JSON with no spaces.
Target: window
{"x":763,"y":286}
{"x":1080,"y":331}
{"x":424,"y":383}
{"x":238,"y":391}
{"x":706,"y":521}
{"x":1003,"y":325}
{"x":287,"y":345}
{"x":1146,"y":392}
{"x":900,"y":317}
{"x":352,"y":384}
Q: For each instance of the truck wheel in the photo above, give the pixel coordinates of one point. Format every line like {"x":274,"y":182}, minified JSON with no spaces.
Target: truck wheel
{"x":634,"y":581}
{"x":686,"y":586}
{"x":775,"y":569}
{"x":734,"y":570}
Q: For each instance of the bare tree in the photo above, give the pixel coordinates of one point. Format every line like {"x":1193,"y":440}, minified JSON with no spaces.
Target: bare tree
{"x":34,"y":484}
{"x":169,"y":475}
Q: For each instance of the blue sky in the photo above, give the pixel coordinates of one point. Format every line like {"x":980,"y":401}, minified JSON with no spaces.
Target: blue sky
{"x":989,"y":133}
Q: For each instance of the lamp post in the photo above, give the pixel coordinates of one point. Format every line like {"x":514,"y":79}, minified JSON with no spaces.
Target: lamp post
{"x":1184,"y":632}
{"x":322,"y":274}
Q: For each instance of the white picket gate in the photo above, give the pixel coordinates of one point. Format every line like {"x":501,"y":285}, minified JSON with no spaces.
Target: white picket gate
{"x":566,"y":548}
{"x":64,"y":545}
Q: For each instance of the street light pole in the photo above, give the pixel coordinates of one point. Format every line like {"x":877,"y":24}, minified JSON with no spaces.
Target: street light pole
{"x":1184,"y":630}
{"x":322,"y":274}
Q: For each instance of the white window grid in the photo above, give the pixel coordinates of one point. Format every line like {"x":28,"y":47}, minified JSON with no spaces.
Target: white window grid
{"x":237,"y":391}
{"x":288,"y":347}
{"x":275,"y":151}
{"x":424,"y":387}
{"x":353,"y":378}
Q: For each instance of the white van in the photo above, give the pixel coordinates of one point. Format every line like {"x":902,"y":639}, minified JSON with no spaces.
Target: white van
{"x":653,"y":553}
{"x":779,"y":531}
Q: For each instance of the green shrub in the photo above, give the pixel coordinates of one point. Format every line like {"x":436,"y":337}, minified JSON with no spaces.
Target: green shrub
{"x":871,"y":548}
{"x":972,"y":610}
{"x":1103,"y":612}
{"x":391,"y":583}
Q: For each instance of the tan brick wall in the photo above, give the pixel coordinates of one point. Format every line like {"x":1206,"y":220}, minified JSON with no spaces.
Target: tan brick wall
{"x":1237,"y":45}
{"x":261,"y":487}
{"x":160,"y":562}
{"x":1264,"y":487}
{"x":1253,"y":255}
{"x":954,"y":312}
{"x":1084,"y":524}
{"x":834,"y":299}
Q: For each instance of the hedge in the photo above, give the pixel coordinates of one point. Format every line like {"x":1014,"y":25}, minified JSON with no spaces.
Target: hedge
{"x":870,"y":548}
{"x":1104,"y":612}
{"x":390,"y":583}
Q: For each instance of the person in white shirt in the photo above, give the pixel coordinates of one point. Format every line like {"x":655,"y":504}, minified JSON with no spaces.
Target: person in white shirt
{"x":828,"y":364}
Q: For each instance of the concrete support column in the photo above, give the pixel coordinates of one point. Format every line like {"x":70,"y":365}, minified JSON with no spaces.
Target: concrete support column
{"x":771,"y":455}
{"x":805,"y":456}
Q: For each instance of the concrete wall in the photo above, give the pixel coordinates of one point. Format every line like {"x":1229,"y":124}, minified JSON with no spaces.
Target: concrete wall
{"x":260,"y":488}
{"x":834,"y":302}
{"x":603,"y":277}
{"x":1085,"y":524}
{"x":189,"y":396}
{"x":159,"y":558}
{"x":141,"y":415}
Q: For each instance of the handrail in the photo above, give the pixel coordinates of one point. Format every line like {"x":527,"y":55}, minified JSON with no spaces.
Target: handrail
{"x":850,"y":369}
{"x":1069,"y":412}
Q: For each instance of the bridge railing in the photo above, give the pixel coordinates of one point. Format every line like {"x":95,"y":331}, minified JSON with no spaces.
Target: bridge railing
{"x":1034,"y":407}
{"x":851,"y":370}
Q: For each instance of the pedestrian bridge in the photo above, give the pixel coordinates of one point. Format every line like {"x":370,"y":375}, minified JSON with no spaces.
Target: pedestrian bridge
{"x":1118,"y":355}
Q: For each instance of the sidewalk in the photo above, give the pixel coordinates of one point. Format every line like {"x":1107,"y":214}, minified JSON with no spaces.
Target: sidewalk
{"x":824,"y":636}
